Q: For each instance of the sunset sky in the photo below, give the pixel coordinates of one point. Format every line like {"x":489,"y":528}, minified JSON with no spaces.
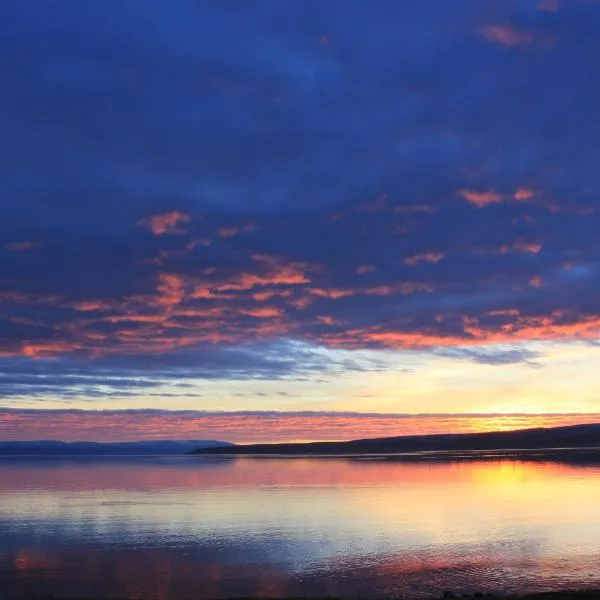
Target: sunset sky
{"x":270,"y":217}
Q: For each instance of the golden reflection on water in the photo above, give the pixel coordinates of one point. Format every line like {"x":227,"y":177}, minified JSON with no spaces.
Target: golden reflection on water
{"x":197,"y":528}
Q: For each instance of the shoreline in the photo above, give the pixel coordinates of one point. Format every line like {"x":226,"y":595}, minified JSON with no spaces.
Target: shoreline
{"x":567,"y":594}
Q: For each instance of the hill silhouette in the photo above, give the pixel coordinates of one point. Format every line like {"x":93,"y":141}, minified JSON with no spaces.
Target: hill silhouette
{"x":60,"y":448}
{"x":573,"y":436}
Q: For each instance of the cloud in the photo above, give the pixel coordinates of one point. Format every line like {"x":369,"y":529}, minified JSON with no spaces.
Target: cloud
{"x":331,"y":194}
{"x":536,"y":281}
{"x":484,"y":198}
{"x":497,"y":356}
{"x":72,"y":378}
{"x":428,"y":257}
{"x":481,"y":199}
{"x":165,"y":223}
{"x":518,"y":246}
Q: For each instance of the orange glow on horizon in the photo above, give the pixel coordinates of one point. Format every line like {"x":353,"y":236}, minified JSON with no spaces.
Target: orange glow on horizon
{"x":259,"y":427}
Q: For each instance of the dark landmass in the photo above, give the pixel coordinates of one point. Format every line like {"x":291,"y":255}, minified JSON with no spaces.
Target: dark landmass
{"x":558,"y":595}
{"x":58,"y":448}
{"x":573,"y":436}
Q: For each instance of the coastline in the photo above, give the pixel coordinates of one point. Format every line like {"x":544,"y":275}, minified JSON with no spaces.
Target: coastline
{"x":575,"y":594}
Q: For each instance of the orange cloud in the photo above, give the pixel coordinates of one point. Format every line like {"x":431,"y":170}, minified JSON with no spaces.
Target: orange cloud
{"x":247,"y":281}
{"x":157,"y":326}
{"x":201,"y":313}
{"x":265,"y":312}
{"x":262,"y":296}
{"x":202,"y":292}
{"x":522,"y":247}
{"x":507,"y":35}
{"x":523,"y":194}
{"x":48,"y":349}
{"x":93,"y":305}
{"x":327,"y":320}
{"x":170,"y":289}
{"x":165,"y":223}
{"x":481,"y":199}
{"x":135,"y":318}
{"x":530,"y":248}
{"x":519,"y":329}
{"x":291,"y":274}
{"x":301,"y":302}
{"x":406,"y":287}
{"x":536,"y":282}
{"x":430,"y":257}
{"x":332,"y":293}
{"x":485,"y":198}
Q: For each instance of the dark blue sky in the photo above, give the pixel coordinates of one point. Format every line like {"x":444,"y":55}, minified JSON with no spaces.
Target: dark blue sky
{"x":262,"y":190}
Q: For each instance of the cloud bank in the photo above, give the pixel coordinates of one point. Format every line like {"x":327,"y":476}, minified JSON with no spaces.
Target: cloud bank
{"x":184,"y":188}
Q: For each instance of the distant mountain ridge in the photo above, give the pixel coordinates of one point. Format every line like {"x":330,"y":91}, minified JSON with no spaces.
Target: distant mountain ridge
{"x":60,"y":448}
{"x":571,"y":436}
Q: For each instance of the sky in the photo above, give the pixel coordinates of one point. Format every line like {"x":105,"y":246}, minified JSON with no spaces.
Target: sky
{"x":219,"y":217}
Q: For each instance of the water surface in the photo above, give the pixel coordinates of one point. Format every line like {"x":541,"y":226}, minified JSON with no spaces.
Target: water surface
{"x":190,"y":527}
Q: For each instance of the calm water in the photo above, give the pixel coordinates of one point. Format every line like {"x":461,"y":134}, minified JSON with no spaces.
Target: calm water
{"x":168,"y":528}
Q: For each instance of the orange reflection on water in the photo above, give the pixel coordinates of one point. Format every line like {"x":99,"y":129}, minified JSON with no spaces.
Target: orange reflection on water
{"x":149,"y":474}
{"x":199,"y":528}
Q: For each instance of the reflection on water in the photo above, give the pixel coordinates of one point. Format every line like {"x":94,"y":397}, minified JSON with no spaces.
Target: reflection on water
{"x":189,"y":527}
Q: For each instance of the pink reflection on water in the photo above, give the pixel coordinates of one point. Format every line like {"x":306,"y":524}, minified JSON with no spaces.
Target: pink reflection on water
{"x":197,"y":528}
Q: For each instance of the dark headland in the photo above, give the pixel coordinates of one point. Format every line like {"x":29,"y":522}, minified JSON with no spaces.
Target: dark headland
{"x":591,"y":594}
{"x":574,"y":436}
{"x":60,"y":448}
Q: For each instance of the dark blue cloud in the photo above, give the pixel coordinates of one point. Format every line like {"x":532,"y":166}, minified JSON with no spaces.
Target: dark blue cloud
{"x":183,"y":182}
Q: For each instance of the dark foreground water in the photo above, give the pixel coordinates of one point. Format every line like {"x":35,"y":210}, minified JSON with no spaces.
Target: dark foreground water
{"x":185,"y":527}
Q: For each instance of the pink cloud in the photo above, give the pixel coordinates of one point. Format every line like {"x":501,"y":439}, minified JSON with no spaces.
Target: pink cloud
{"x":486,"y":197}
{"x":536,"y":281}
{"x":523,"y":194}
{"x":530,"y":248}
{"x":263,"y":312}
{"x":93,"y":305}
{"x":165,"y":223}
{"x":481,"y":199}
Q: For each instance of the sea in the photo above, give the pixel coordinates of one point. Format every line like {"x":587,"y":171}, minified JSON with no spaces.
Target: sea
{"x":192,"y":527}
